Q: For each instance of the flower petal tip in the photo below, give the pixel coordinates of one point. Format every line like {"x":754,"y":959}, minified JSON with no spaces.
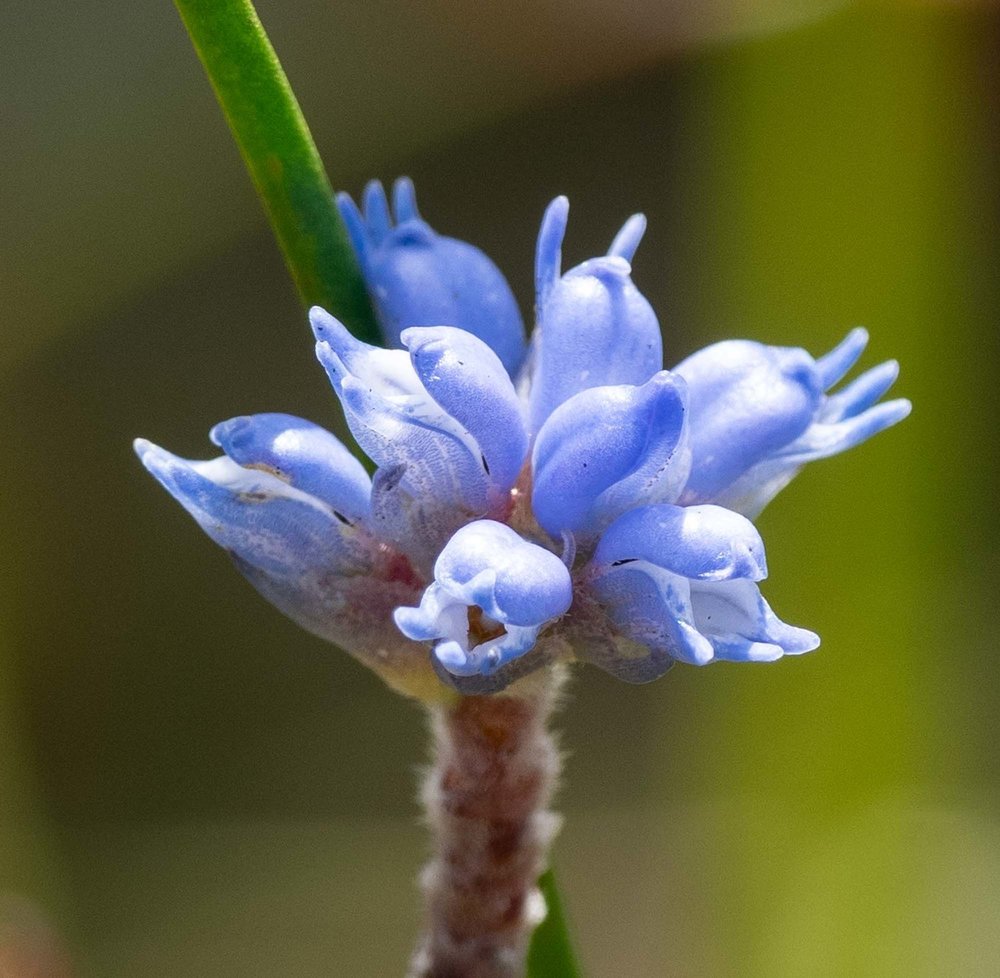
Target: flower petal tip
{"x":834,"y":365}
{"x":157,"y":460}
{"x":627,"y":240}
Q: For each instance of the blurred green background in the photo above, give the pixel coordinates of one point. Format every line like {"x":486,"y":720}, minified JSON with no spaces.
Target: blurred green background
{"x":189,"y":785}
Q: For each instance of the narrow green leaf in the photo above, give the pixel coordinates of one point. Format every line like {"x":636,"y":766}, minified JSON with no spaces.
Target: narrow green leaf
{"x":281,"y":156}
{"x":551,"y":954}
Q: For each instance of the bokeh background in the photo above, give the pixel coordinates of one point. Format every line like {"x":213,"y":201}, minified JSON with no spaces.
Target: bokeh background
{"x":189,"y":785}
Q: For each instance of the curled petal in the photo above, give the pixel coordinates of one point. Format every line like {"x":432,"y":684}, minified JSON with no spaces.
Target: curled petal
{"x":697,"y":623}
{"x":701,"y":543}
{"x":400,"y":425}
{"x":466,"y":378}
{"x":758,"y":414}
{"x":291,"y":545}
{"x":302,"y":454}
{"x":680,"y":582}
{"x":253,"y":514}
{"x":607,"y":449}
{"x":419,"y":278}
{"x":492,"y":594}
{"x":595,"y":329}
{"x":746,"y":401}
{"x":741,"y":626}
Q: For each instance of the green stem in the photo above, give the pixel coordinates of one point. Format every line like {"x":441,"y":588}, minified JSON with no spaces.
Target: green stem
{"x":550,"y":954}
{"x":281,"y":156}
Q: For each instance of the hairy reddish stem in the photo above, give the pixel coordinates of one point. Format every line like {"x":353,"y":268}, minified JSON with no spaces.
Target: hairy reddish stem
{"x":486,"y":796}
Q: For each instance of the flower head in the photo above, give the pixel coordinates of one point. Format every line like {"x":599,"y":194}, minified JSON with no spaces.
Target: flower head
{"x":590,"y":505}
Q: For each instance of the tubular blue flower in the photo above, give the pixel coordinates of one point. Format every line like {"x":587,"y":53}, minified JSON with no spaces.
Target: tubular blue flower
{"x":759,"y":413}
{"x":492,"y":593}
{"x":442,"y":422}
{"x":605,"y":448}
{"x":681,"y":582}
{"x":303,"y":455}
{"x":287,"y":504}
{"x":599,"y":511}
{"x":417,"y":277}
{"x":595,"y":328}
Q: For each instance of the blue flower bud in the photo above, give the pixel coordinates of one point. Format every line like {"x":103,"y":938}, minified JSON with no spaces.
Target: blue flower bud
{"x":681,"y":582}
{"x":759,"y":413}
{"x":435,"y":417}
{"x":595,"y":329}
{"x":417,"y":277}
{"x":604,"y":449}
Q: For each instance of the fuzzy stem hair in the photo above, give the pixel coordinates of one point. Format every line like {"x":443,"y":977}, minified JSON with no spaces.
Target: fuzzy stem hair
{"x":486,"y":797}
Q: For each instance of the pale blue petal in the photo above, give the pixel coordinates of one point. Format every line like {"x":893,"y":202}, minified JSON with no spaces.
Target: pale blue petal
{"x":357,"y":233}
{"x":758,"y":415}
{"x":741,"y":626}
{"x":419,"y":278}
{"x":626,"y":241}
{"x":548,"y":250}
{"x":861,"y":393}
{"x":404,"y":200}
{"x":834,"y":366}
{"x":697,"y":622}
{"x":606,"y":450}
{"x":377,"y":217}
{"x":302,"y":454}
{"x":399,"y":425}
{"x":492,"y":594}
{"x":703,"y":543}
{"x":746,"y":401}
{"x":466,"y":378}
{"x":595,"y":329}
{"x":488,"y":657}
{"x":290,"y":545}
{"x":440,"y":613}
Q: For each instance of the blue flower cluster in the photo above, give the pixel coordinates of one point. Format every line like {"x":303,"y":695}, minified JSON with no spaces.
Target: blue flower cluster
{"x":566,"y":498}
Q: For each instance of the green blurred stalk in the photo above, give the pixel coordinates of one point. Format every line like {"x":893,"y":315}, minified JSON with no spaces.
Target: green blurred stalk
{"x":286,"y":169}
{"x":551,"y":954}
{"x":281,"y":156}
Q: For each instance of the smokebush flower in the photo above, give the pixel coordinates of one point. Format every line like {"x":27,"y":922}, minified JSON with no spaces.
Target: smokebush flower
{"x":588,"y":505}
